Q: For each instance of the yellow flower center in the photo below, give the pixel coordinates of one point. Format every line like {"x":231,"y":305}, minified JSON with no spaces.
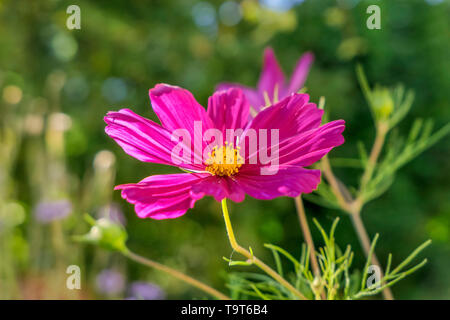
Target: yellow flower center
{"x":224,"y":161}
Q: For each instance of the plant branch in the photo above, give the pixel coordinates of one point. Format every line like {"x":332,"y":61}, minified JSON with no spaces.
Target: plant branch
{"x":176,"y":274}
{"x":308,"y":238}
{"x":354,"y":206}
{"x":365,"y":243}
{"x":382,"y":130}
{"x":334,"y":184}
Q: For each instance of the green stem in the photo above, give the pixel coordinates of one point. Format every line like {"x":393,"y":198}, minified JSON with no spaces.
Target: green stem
{"x":252,"y":258}
{"x":382,"y":130}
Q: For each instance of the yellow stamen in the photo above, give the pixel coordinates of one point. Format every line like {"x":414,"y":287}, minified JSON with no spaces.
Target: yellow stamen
{"x":275,"y":94}
{"x":267,"y":99}
{"x":253,"y":111}
{"x":224,"y":161}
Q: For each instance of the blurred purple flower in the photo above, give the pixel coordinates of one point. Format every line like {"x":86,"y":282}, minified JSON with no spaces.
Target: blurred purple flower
{"x":140,"y":290}
{"x":110,"y":282}
{"x":48,"y":211}
{"x":112,"y":212}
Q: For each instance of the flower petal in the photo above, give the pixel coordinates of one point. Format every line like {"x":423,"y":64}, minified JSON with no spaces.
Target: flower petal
{"x":144,"y":139}
{"x":272,"y":76}
{"x":255,"y":99}
{"x":300,"y":73}
{"x":301,"y":140}
{"x":289,"y":181}
{"x":228,"y":109}
{"x":219,"y":188}
{"x":309,"y":147}
{"x":177,"y":108}
{"x":162,"y":196}
{"x":290,"y":117}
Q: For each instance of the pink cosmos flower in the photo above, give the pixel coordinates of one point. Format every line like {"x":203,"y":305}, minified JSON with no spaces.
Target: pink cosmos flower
{"x":301,"y":141}
{"x":272,"y":85}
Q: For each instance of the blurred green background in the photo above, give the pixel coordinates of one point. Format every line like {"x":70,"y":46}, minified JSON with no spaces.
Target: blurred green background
{"x":57,"y":84}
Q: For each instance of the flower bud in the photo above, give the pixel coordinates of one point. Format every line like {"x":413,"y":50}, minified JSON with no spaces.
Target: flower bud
{"x":382,"y":103}
{"x":106,"y":234}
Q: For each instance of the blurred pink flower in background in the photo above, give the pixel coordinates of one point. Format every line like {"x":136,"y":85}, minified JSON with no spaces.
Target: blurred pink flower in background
{"x":272,"y":85}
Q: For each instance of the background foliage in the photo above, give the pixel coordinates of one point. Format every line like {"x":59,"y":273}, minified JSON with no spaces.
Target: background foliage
{"x":125,"y":48}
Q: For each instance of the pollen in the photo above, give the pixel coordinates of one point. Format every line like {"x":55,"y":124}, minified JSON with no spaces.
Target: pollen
{"x":224,"y":161}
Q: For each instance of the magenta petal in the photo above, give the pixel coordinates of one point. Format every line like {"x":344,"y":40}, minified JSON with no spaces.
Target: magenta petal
{"x":289,"y":181}
{"x":143,"y":139}
{"x":219,"y":188}
{"x":290,"y":117}
{"x":272,"y":80}
{"x":162,"y":196}
{"x":228,"y":109}
{"x":255,"y":99}
{"x":301,"y":72}
{"x":177,"y":108}
{"x":301,"y":141}
{"x":308,"y":147}
{"x":272,"y":76}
